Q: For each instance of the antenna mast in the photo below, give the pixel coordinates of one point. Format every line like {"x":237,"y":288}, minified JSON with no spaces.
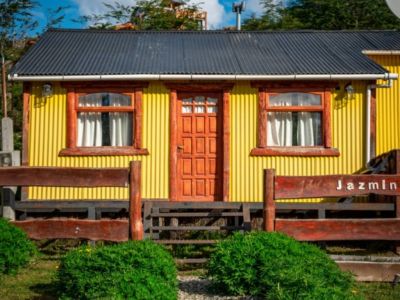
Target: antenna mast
{"x":238,"y":8}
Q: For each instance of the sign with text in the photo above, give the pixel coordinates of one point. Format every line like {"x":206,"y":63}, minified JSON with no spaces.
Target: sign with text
{"x":335,"y":186}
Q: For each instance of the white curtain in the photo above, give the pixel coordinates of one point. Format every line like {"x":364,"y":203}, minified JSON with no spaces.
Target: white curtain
{"x":294,"y":128}
{"x":280,"y":129}
{"x":280,"y":124}
{"x":120,"y":122}
{"x":89,"y":123}
{"x":306,"y":130}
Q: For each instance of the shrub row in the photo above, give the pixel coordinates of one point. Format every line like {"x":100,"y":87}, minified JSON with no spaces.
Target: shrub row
{"x":15,"y":248}
{"x":132,"y":270}
{"x":275,"y":266}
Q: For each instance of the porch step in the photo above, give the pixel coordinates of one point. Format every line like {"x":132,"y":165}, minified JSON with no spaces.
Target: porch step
{"x":186,"y":242}
{"x":195,"y":228}
{"x":178,"y":223}
{"x":196,"y":214}
{"x":191,"y":260}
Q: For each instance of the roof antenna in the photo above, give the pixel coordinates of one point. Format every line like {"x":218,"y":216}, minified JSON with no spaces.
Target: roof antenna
{"x":238,"y":8}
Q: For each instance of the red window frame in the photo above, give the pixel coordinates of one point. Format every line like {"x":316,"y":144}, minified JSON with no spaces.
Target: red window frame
{"x":73,"y":108}
{"x":325,"y":149}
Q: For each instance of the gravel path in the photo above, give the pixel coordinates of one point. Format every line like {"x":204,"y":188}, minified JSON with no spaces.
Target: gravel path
{"x":196,"y":288}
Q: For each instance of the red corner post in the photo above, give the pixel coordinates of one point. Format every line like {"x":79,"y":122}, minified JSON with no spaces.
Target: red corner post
{"x":269,"y":201}
{"x":135,"y":201}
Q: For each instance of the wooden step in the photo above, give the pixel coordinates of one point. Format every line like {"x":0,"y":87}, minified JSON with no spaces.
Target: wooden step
{"x":198,"y":205}
{"x":195,"y":228}
{"x":191,"y":260}
{"x":186,"y":242}
{"x":196,"y":214}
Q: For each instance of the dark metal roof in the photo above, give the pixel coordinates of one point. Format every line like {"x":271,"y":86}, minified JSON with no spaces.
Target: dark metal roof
{"x":103,"y":52}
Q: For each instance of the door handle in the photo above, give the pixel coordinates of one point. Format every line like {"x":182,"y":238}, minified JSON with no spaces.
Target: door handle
{"x":180,"y":147}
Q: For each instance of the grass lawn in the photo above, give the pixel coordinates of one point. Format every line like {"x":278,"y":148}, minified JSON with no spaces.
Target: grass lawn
{"x":378,"y":291}
{"x":38,"y":281}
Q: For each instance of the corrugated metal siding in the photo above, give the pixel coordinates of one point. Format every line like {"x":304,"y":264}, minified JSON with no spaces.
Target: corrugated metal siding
{"x":388,"y":108}
{"x":48,"y":134}
{"x":247,"y":172}
{"x":48,"y":123}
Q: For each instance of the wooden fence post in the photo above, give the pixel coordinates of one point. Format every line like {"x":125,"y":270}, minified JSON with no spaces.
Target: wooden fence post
{"x":135,"y":201}
{"x":269,"y":201}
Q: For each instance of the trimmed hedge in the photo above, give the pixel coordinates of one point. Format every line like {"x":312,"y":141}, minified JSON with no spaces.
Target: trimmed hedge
{"x":275,"y":266}
{"x":132,"y":270}
{"x":15,"y":248}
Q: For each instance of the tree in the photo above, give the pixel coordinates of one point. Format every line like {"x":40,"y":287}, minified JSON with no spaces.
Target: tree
{"x":148,"y":15}
{"x":325,"y":15}
{"x":270,"y":19}
{"x":342,"y":14}
{"x":55,"y":16}
{"x":15,"y":21}
{"x":17,"y":25}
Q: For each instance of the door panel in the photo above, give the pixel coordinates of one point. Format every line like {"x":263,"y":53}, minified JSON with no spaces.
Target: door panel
{"x":199,"y":142}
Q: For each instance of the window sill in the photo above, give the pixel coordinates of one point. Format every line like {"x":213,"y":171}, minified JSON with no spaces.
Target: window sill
{"x":102,"y":151}
{"x":295,"y":151}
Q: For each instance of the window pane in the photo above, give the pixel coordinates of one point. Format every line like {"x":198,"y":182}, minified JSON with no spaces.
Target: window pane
{"x":294,"y":129}
{"x":212,"y":100}
{"x":294,"y":99}
{"x":104,"y":99}
{"x":212,"y":109}
{"x":199,"y":100}
{"x":187,"y":101}
{"x":186,"y":109}
{"x":200,"y":109}
{"x":104,"y":129}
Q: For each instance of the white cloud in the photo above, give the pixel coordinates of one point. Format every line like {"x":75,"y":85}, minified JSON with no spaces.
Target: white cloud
{"x":90,"y":7}
{"x":215,"y":12}
{"x":254,"y":6}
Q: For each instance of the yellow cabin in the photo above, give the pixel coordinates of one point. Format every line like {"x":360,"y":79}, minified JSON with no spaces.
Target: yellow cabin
{"x":207,"y":112}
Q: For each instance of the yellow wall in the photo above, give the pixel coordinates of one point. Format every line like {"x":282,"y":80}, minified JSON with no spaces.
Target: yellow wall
{"x":48,"y":134}
{"x":388,"y":108}
{"x":47,"y":138}
{"x":348,"y":119}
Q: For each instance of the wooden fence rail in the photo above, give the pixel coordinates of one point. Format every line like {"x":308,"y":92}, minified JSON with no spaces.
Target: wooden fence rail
{"x":105,"y":229}
{"x":292,"y":187}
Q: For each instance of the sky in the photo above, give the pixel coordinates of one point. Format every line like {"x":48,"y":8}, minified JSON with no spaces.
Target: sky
{"x":219,"y":11}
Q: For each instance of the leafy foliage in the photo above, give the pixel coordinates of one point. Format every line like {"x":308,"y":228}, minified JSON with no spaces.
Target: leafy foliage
{"x":132,"y":270}
{"x":324,"y":15}
{"x":15,"y":248}
{"x":147,"y":15}
{"x":274,"y":266}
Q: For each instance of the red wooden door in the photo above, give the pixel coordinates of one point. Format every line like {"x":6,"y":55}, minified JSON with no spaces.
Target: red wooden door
{"x":199,"y":142}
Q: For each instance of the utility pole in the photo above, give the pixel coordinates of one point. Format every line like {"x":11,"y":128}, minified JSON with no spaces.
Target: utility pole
{"x":238,"y":8}
{"x":3,"y":81}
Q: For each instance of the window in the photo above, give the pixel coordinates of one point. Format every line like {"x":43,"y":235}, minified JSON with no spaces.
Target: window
{"x":111,"y":126}
{"x":200,"y":105}
{"x":294,"y":122}
{"x":104,"y":121}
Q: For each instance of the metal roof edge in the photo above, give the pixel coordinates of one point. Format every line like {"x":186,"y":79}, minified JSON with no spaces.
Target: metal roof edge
{"x":150,"y":77}
{"x":381,"y":52}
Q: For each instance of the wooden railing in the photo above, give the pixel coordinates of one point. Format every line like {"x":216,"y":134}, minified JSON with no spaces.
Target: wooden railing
{"x":322,"y":229}
{"x":104,"y":229}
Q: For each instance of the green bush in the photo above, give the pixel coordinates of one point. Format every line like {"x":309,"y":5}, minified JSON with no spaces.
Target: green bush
{"x":15,"y":248}
{"x":132,"y":270}
{"x":275,"y":266}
